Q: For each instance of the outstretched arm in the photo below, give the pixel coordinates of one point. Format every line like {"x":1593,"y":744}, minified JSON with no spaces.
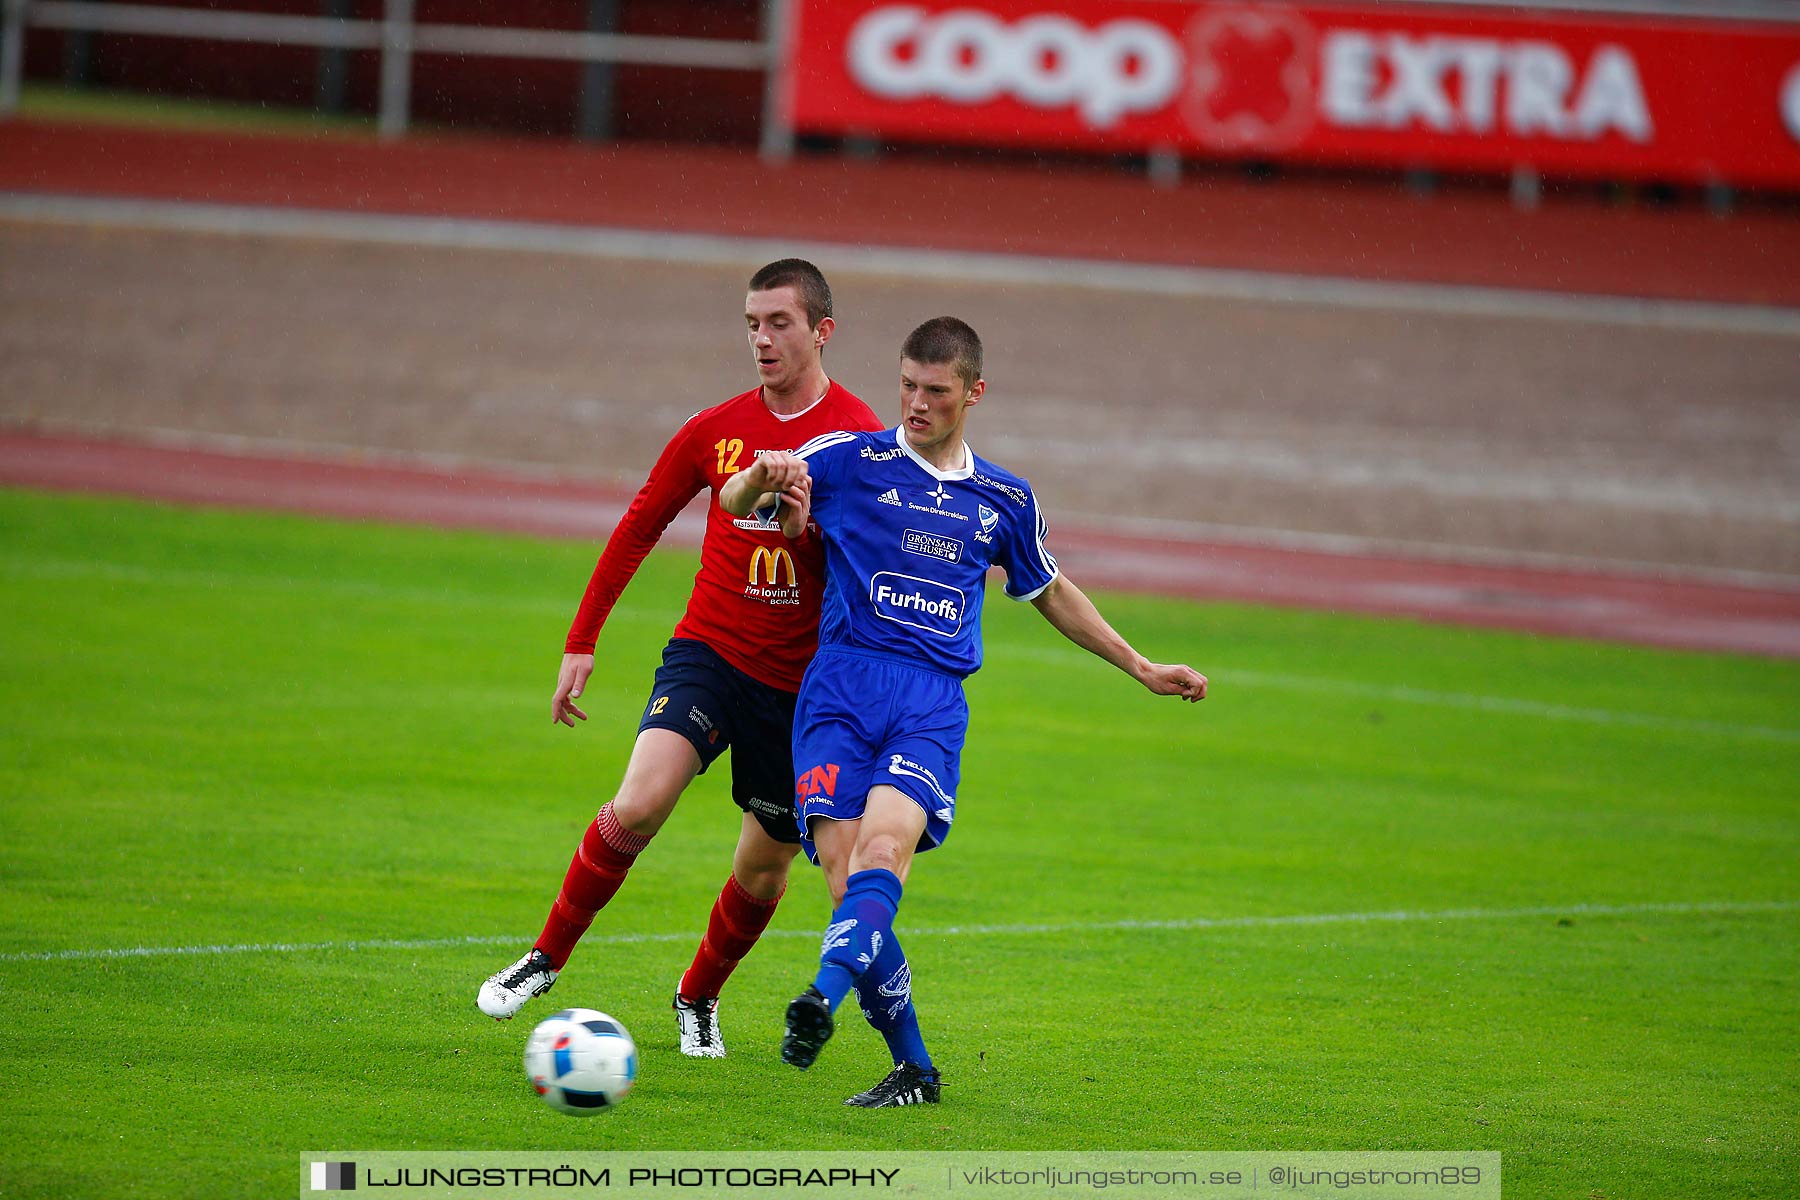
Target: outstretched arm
{"x":1067,"y":607}
{"x":673,"y":481}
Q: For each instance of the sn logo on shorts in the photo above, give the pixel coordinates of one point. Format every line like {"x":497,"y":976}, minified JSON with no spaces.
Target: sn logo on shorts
{"x":819,"y":781}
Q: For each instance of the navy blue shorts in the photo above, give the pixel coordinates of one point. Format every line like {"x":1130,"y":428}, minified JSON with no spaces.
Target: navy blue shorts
{"x":865,"y":720}
{"x":714,"y":705}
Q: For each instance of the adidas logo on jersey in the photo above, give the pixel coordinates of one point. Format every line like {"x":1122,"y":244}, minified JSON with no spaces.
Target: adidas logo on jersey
{"x":891,"y":496}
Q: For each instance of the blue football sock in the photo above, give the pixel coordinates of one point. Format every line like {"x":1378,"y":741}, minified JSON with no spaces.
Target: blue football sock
{"x":885,"y":992}
{"x":860,"y":924}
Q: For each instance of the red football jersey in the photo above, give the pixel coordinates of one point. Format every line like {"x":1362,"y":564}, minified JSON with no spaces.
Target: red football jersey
{"x":756,"y":597}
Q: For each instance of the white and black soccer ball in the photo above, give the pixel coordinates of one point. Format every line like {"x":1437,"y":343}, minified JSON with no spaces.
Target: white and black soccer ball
{"x":581,"y":1061}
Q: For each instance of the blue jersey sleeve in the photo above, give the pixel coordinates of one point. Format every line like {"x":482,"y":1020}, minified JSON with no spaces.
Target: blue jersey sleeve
{"x":1021,"y":552}
{"x":820,"y":462}
{"x":825,"y":457}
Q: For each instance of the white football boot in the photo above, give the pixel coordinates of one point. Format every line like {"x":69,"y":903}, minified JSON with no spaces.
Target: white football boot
{"x":698,"y":1021}
{"x":506,"y":993}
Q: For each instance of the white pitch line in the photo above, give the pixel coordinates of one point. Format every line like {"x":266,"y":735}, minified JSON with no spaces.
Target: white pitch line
{"x":954,"y":267}
{"x":1301,"y":920}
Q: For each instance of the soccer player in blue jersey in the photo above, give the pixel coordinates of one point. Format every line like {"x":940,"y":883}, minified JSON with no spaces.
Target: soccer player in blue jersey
{"x":912,"y":519}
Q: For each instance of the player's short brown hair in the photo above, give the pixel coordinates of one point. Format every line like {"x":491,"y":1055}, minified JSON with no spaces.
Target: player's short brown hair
{"x":806,"y":280}
{"x":946,"y":340}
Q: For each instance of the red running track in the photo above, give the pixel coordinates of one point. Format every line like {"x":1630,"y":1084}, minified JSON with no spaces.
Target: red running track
{"x":1360,"y":231}
{"x":1646,"y":611}
{"x":1308,"y":227}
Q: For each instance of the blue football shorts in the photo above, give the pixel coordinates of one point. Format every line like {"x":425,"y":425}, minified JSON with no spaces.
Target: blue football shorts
{"x":864,"y":720}
{"x":714,"y":705}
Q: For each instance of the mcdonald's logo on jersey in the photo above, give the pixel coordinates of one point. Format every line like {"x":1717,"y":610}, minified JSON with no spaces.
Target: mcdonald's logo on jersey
{"x":769,"y":564}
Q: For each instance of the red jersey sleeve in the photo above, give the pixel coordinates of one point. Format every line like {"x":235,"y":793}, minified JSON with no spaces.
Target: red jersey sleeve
{"x":676,"y":479}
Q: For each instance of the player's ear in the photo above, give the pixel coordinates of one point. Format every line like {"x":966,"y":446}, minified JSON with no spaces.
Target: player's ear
{"x":822,"y":332}
{"x":975,"y":391}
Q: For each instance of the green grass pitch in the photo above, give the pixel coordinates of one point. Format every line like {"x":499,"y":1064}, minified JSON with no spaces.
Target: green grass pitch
{"x":228,"y":730}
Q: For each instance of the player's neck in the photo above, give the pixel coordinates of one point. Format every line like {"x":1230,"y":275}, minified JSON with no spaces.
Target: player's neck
{"x":808,"y":391}
{"x":951,"y":454}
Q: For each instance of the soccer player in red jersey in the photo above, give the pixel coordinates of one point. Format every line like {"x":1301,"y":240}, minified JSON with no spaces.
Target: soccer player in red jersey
{"x":730,"y":672}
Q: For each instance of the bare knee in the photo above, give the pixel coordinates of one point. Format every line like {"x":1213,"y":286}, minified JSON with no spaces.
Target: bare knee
{"x":760,"y":863}
{"x":882,"y":852}
{"x":662,"y":765}
{"x":765,"y":883}
{"x":764,"y":875}
{"x":643,"y":811}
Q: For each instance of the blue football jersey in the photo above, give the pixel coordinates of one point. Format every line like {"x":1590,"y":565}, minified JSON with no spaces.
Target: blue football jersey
{"x":908,"y":547}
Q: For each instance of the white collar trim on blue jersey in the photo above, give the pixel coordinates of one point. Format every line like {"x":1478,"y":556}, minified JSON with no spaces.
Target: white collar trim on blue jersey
{"x":962,"y":472}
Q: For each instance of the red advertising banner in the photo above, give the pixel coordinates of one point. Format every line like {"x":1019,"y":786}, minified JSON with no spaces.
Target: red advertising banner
{"x":1570,"y":94}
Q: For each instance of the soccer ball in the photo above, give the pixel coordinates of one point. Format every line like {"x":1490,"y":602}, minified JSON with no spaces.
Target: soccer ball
{"x":581,"y":1061}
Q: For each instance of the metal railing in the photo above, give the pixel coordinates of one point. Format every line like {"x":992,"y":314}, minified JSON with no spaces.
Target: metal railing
{"x":398,"y":37}
{"x":1736,"y":10}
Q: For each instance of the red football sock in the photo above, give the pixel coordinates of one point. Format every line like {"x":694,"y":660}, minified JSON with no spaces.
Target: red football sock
{"x":738,"y":919}
{"x":606,"y":853}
